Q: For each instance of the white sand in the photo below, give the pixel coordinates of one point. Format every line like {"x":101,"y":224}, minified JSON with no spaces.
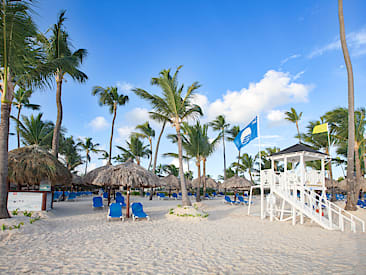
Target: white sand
{"x":75,"y":239}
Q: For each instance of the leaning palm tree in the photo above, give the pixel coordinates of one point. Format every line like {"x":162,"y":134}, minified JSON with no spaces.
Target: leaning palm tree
{"x":135,"y":149}
{"x":294,"y":117}
{"x":220,"y":124}
{"x":148,"y":133}
{"x":233,"y":132}
{"x":21,"y":100}
{"x":352,"y":192}
{"x":61,"y":60}
{"x":247,"y":165}
{"x":109,"y":96}
{"x":173,"y":107}
{"x":89,"y":147}
{"x":69,"y":149}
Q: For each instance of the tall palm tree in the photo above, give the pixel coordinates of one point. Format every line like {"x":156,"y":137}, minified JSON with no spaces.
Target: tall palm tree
{"x":220,"y":124}
{"x":69,"y":149}
{"x":109,"y":96}
{"x":148,"y":133}
{"x":232,"y":134}
{"x":61,"y":60}
{"x":170,"y":169}
{"x":89,"y":147}
{"x":135,"y":149}
{"x":173,"y":107}
{"x":247,"y":165}
{"x":34,"y":130}
{"x":294,"y":117}
{"x":21,"y":100}
{"x":351,"y":203}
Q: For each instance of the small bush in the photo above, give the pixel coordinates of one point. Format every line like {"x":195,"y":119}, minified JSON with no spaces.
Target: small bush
{"x":27,"y":214}
{"x":34,"y":219}
{"x":15,"y":212}
{"x":179,"y":205}
{"x":3,"y":227}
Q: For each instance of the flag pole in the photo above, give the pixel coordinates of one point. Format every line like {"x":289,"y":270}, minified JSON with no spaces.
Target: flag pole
{"x":331,"y":178}
{"x":260,"y":168}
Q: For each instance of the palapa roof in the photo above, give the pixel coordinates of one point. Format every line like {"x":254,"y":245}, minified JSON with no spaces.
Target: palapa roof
{"x":90,"y":176}
{"x":33,"y":164}
{"x":344,"y":185}
{"x":170,"y":181}
{"x":236,"y":182}
{"x":126,"y":174}
{"x":210,"y":182}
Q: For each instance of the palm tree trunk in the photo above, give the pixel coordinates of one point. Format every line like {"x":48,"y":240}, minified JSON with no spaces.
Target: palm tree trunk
{"x":223,"y":143}
{"x":204,"y":176}
{"x":86,"y":163}
{"x":298,"y":130}
{"x":56,"y":131}
{"x":18,"y":117}
{"x":156,"y":156}
{"x":185,"y":199}
{"x":351,"y":202}
{"x":237,"y":168}
{"x":358,"y":171}
{"x":148,"y":168}
{"x":110,"y":141}
{"x":198,"y":188}
{"x":4,"y":138}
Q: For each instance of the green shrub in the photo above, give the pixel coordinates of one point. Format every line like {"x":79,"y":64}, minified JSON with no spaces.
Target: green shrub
{"x":27,"y":214}
{"x":3,"y":227}
{"x":34,"y":219}
{"x":179,"y":205}
{"x":15,"y":212}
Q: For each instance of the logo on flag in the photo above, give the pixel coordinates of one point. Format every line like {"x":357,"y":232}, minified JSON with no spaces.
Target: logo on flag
{"x":249,"y":133}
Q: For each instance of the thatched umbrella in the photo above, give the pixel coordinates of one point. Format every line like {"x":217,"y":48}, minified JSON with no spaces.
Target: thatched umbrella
{"x":236,"y":182}
{"x":344,"y":185}
{"x":126,"y":174}
{"x":90,"y":176}
{"x":210,"y":182}
{"x":33,"y":164}
{"x":170,"y":182}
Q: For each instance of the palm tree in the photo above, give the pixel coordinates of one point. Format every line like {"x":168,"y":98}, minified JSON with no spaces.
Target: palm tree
{"x":233,"y":132}
{"x":135,"y":149}
{"x":170,"y":169}
{"x":294,"y":117}
{"x":89,"y":147}
{"x":352,"y":195}
{"x":34,"y":131}
{"x":247,"y":165}
{"x":219,"y":124}
{"x":20,"y":59}
{"x":21,"y":100}
{"x":148,"y":133}
{"x":111,"y":98}
{"x":61,"y":61}
{"x":173,"y":107}
{"x":69,"y":149}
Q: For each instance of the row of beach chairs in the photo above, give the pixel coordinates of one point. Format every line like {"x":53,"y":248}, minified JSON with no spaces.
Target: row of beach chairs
{"x":241,"y":200}
{"x":70,"y":196}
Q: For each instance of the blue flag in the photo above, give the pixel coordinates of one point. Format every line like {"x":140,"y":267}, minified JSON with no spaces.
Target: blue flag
{"x":247,"y":134}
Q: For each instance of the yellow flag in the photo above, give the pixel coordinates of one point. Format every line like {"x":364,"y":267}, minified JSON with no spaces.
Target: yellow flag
{"x":320,"y":128}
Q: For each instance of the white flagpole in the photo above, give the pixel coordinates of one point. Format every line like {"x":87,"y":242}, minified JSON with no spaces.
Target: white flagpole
{"x":260,"y":168}
{"x":331,"y":180}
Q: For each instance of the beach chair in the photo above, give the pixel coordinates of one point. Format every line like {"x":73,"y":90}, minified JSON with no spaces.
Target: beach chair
{"x":121,"y":200}
{"x":214,"y":194}
{"x":189,"y":194}
{"x":242,"y":200}
{"x":175,"y":196}
{"x":118,"y":194}
{"x":138,"y":211}
{"x":147,"y":194}
{"x":72,"y":196}
{"x":98,"y":202}
{"x":105,"y":195}
{"x":208,"y":196}
{"x":228,"y":200}
{"x":162,"y":196}
{"x":115,"y":212}
{"x":361,"y":204}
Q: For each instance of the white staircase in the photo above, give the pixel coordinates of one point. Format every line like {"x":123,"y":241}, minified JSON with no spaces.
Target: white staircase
{"x":305,"y":202}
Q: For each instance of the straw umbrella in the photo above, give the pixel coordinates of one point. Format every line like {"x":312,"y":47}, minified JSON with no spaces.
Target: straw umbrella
{"x":236,"y":182}
{"x":33,"y":164}
{"x":344,"y":185}
{"x":210,"y":182}
{"x":127,"y":174}
{"x":170,"y":182}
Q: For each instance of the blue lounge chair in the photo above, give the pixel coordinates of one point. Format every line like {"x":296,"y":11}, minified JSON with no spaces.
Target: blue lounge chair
{"x":98,"y":202}
{"x":214,"y":194}
{"x":175,"y":196}
{"x":208,"y":196}
{"x":242,"y":200}
{"x":161,"y":196}
{"x":138,"y":211}
{"x":361,"y":204}
{"x":228,"y":200}
{"x":147,"y":194}
{"x":189,"y":194}
{"x":105,"y":195}
{"x":115,"y":212}
{"x":118,"y":194}
{"x":72,"y":196}
{"x":121,"y":200}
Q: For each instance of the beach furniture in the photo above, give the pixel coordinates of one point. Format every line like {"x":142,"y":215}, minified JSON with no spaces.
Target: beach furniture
{"x":361,"y":204}
{"x":118,"y":194}
{"x":72,"y":196}
{"x":175,"y":196}
{"x":115,"y":212}
{"x":208,"y":196}
{"x":189,"y":194}
{"x":147,"y":194}
{"x":242,"y":200}
{"x":138,"y":211}
{"x":121,"y":200}
{"x":105,"y":195}
{"x":98,"y":202}
{"x":228,"y":200}
{"x":161,"y":196}
{"x":214,"y":194}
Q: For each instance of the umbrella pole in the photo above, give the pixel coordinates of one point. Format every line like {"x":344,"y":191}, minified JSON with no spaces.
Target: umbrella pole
{"x":128,"y":203}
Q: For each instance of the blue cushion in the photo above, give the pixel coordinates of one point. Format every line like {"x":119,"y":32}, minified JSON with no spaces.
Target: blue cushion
{"x":115,"y":210}
{"x":97,"y":202}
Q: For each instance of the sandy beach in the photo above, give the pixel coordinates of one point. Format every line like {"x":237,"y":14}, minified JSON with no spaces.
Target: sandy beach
{"x":75,"y":239}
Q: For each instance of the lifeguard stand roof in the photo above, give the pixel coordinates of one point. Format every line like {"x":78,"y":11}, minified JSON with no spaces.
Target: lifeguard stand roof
{"x":294,"y":151}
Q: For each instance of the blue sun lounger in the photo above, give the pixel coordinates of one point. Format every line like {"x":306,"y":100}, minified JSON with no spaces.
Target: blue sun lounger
{"x":138,"y":211}
{"x":118,"y":194}
{"x":121,"y":200}
{"x":242,"y":200}
{"x":228,"y":200}
{"x":98,"y":202}
{"x":175,"y":196}
{"x":115,"y":212}
{"x":105,"y":195}
{"x":72,"y":196}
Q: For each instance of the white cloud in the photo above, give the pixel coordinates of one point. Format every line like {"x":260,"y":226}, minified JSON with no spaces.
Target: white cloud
{"x":289,"y":58}
{"x":356,"y":42}
{"x":125,"y":87}
{"x":273,"y":90}
{"x":98,"y":123}
{"x":138,"y":115}
{"x":123,"y":133}
{"x":276,"y":116}
{"x":298,"y":75}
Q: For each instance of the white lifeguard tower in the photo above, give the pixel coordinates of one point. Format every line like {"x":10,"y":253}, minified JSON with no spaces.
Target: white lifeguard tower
{"x":300,"y":191}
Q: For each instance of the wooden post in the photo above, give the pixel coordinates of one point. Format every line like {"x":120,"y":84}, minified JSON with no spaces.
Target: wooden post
{"x":128,"y":203}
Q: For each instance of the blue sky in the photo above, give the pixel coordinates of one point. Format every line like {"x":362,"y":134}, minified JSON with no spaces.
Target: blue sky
{"x":251,"y":57}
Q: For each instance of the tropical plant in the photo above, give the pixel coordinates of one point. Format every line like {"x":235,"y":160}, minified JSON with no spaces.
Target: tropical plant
{"x":173,"y":107}
{"x":232,"y":134}
{"x":220,"y":124}
{"x":69,"y":149}
{"x":61,"y":60}
{"x":135,"y":149}
{"x":247,"y":164}
{"x":35,"y":131}
{"x":20,"y":59}
{"x":294,"y":117}
{"x":148,"y":133}
{"x":109,"y":96}
{"x":21,"y":100}
{"x":170,"y":169}
{"x":89,"y":147}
